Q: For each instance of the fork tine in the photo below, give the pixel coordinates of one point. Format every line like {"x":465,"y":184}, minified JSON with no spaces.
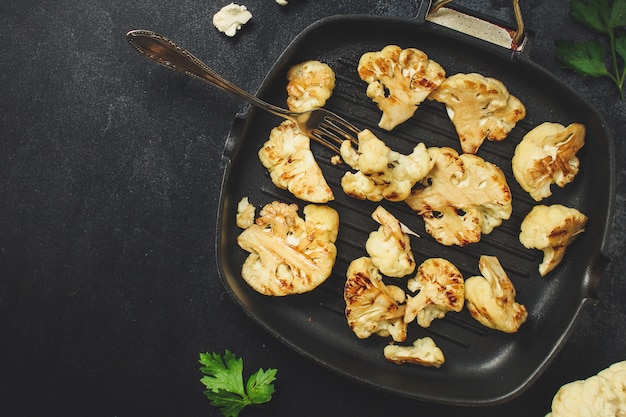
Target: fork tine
{"x":333,"y":131}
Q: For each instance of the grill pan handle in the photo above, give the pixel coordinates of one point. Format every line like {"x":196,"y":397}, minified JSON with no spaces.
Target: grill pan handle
{"x":443,"y":13}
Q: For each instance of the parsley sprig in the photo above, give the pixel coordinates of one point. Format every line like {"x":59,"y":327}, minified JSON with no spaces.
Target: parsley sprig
{"x":607,"y":17}
{"x":223,"y":378}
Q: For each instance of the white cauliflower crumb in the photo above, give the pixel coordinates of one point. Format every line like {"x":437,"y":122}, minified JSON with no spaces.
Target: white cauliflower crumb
{"x":282,"y":2}
{"x":231,"y":18}
{"x":382,"y":173}
{"x":245,"y":214}
{"x":389,"y":246}
{"x":551,"y":229}
{"x":601,"y":395}
{"x":490,"y":298}
{"x":423,"y":352}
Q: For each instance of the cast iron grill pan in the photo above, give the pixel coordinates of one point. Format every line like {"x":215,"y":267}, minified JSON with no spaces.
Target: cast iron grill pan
{"x":314,"y":324}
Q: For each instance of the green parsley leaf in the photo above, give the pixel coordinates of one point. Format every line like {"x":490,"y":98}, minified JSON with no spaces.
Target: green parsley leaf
{"x":223,"y":378}
{"x":618,"y":14}
{"x":586,"y":57}
{"x":620,"y":45}
{"x":594,"y":14}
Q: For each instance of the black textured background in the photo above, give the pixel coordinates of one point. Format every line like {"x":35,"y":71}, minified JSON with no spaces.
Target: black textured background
{"x":110,"y":169}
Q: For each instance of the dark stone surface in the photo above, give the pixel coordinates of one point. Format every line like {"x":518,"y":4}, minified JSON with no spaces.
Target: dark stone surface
{"x":110,"y":171}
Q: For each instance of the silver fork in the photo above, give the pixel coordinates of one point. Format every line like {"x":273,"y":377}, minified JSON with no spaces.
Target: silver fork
{"x":321,"y":125}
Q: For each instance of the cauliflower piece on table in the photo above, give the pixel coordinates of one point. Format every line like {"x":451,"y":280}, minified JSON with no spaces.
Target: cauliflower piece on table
{"x":230,"y":18}
{"x":399,"y":80}
{"x":547,"y":155}
{"x":441,"y":289}
{"x":382,"y":173}
{"x":288,"y":158}
{"x":461,"y":198}
{"x":601,"y":395}
{"x":490,"y":298}
{"x":389,"y":246}
{"x":423,"y":352}
{"x":479,"y":107}
{"x":310,"y":84}
{"x":288,"y":254}
{"x":245,"y":214}
{"x":371,"y":306}
{"x":551,"y":229}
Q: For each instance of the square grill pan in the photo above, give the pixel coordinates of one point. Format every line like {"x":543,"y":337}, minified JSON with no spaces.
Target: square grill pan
{"x":314,"y":324}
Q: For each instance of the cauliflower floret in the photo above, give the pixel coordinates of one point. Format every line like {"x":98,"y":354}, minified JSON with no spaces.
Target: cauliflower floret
{"x":371,"y":306}
{"x":424,"y":352}
{"x":288,"y":158}
{"x":441,"y":289}
{"x":381,"y":172}
{"x":311,"y":83}
{"x":551,"y":229}
{"x":231,"y":18}
{"x":245,"y":213}
{"x":480,"y":108}
{"x":288,"y":254}
{"x":389,"y":246}
{"x":547,"y":155}
{"x":399,"y":80}
{"x":601,"y":395}
{"x":490,"y":298}
{"x":461,"y":198}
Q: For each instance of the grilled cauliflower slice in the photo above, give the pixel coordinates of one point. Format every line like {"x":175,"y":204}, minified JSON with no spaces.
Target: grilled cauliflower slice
{"x":288,"y":254}
{"x":310,"y":84}
{"x":382,"y":173}
{"x":424,"y":352}
{"x":547,"y":155}
{"x":399,"y":80}
{"x":288,"y":158}
{"x":490,"y":298}
{"x":601,"y":395}
{"x":389,"y":246}
{"x":441,"y":289}
{"x":551,"y":229}
{"x":480,"y":108}
{"x":461,"y":198}
{"x":371,"y":306}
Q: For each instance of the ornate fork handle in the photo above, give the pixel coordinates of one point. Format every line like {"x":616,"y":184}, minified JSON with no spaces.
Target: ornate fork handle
{"x":163,"y":51}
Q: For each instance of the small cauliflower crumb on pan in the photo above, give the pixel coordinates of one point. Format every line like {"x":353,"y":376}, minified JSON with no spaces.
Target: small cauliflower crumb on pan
{"x":289,"y":254}
{"x":551,"y":229}
{"x":288,"y":158}
{"x":423,"y":352}
{"x":371,"y":306}
{"x":399,"y":80}
{"x":310,"y":84}
{"x":479,"y":107}
{"x":490,"y":298}
{"x":547,"y":155}
{"x":462,"y":197}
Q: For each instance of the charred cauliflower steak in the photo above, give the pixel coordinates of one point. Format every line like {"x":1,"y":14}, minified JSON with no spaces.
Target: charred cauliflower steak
{"x":399,"y":80}
{"x":490,"y":298}
{"x":547,"y":155}
{"x":288,"y":158}
{"x":371,"y":306}
{"x":441,"y":289}
{"x":551,"y":229}
{"x":389,"y":246}
{"x":380,"y":172}
{"x":461,"y":198}
{"x":423,"y":352}
{"x":288,"y":254}
{"x":310,"y":84}
{"x":479,"y":107}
